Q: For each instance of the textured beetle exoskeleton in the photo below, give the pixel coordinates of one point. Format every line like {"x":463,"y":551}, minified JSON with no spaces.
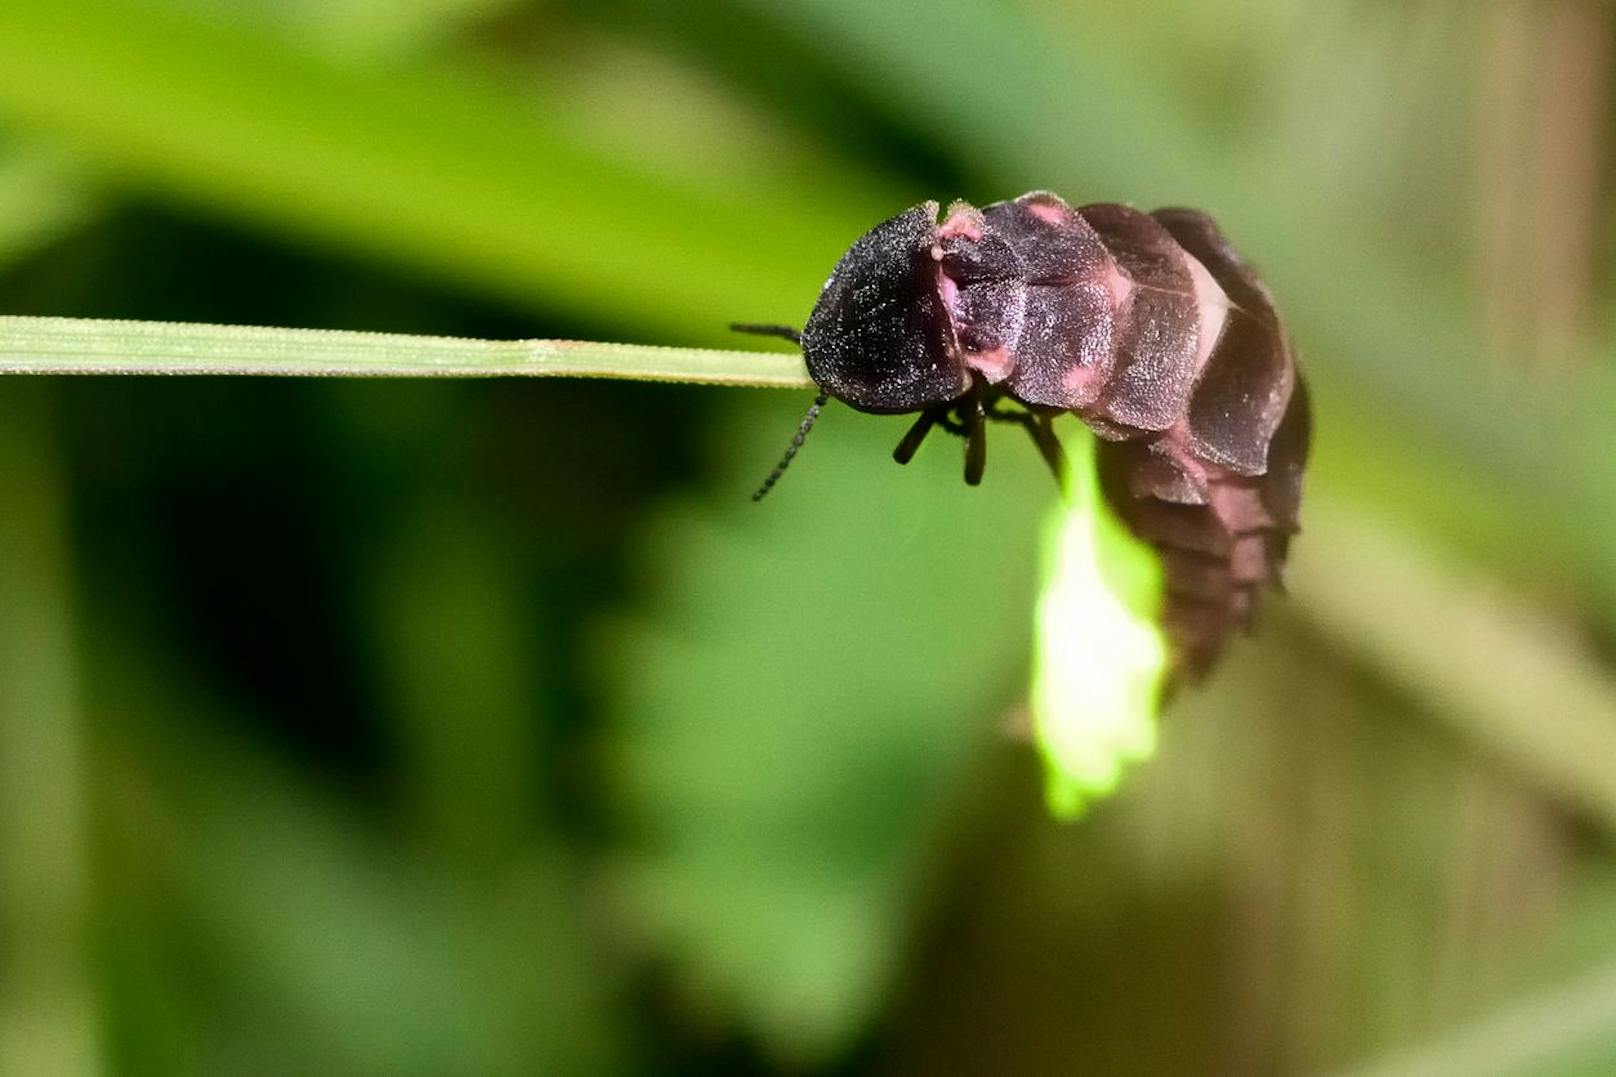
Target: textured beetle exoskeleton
{"x":1148,"y":327}
{"x":1219,"y":490}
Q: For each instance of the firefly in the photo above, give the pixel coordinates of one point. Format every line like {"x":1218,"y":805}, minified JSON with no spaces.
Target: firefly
{"x":1148,"y":327}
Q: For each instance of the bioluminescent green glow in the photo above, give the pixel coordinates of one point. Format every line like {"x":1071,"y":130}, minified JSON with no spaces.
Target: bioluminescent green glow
{"x":1101,"y":655}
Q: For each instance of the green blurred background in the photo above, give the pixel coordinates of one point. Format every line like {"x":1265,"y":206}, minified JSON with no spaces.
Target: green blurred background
{"x":485,"y":727}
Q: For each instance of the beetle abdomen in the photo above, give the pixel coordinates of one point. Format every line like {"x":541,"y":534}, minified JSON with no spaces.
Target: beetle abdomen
{"x":1157,"y":334}
{"x":1217,"y":491}
{"x":1221,"y":535}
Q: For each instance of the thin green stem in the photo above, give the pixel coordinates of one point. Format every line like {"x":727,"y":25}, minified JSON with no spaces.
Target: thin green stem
{"x":89,"y":346}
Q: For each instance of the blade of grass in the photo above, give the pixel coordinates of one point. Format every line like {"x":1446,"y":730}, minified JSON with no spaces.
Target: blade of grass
{"x":90,"y":346}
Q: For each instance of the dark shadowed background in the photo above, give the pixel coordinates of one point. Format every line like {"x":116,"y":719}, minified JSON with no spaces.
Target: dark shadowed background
{"x":485,"y":727}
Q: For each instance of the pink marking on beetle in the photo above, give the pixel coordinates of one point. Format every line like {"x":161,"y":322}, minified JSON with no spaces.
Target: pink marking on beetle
{"x":1213,"y":304}
{"x":1175,"y":443}
{"x":1048,"y":212}
{"x":994,"y":364}
{"x":1117,"y":283}
{"x":1082,"y":384}
{"x":1239,"y":506}
{"x":948,"y":291}
{"x":964,"y":222}
{"x":1248,"y":559}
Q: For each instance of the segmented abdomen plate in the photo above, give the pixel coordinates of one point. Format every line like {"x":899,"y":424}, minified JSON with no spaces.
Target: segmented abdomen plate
{"x":1154,"y":331}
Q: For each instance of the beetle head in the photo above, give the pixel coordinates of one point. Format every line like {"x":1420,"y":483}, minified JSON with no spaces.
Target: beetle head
{"x":879,"y":338}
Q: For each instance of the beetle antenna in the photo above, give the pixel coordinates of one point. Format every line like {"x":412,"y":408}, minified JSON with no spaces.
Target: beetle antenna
{"x":791,"y":450}
{"x":762,"y":330}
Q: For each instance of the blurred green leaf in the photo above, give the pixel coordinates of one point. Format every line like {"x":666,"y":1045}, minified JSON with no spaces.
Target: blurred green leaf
{"x":797,"y":705}
{"x":1516,"y":685}
{"x":452,"y":653}
{"x":435,"y":171}
{"x":42,"y":198}
{"x":330,"y":944}
{"x":359,"y":30}
{"x":48,"y":1018}
{"x":1564,"y":1033}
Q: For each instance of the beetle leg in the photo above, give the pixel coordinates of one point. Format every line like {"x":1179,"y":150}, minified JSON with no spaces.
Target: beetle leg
{"x":976,"y":442}
{"x":1042,"y":431}
{"x":1042,"y":428}
{"x":917,"y":433}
